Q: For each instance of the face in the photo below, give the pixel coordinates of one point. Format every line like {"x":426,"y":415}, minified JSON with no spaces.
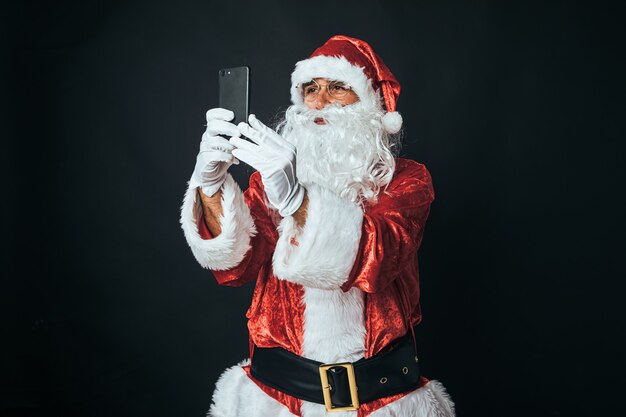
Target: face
{"x":322,"y":99}
{"x":343,"y":148}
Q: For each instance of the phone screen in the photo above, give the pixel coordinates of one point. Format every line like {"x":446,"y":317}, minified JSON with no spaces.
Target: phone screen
{"x":234,"y":87}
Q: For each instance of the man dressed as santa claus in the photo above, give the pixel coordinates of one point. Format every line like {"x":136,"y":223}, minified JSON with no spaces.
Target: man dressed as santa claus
{"x":329,"y":227}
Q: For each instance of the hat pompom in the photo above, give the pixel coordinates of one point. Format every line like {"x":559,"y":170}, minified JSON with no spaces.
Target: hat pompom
{"x":392,"y":122}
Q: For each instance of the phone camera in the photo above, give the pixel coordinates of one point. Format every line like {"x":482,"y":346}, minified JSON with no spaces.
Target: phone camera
{"x":222,"y":73}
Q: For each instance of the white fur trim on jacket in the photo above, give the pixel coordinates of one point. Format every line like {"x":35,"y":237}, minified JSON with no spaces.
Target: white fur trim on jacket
{"x":236,"y":395}
{"x":321,"y":254}
{"x":227,"y":249}
{"x":333,"y":68}
{"x":334,"y":326}
{"x":431,"y":400}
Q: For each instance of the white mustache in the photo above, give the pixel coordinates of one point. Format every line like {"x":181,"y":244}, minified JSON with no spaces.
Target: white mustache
{"x":335,"y":115}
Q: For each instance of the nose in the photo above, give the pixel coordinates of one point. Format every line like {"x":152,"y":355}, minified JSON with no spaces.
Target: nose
{"x":322,"y":100}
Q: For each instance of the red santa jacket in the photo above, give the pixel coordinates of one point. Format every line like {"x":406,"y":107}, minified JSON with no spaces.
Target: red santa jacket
{"x":379,"y":257}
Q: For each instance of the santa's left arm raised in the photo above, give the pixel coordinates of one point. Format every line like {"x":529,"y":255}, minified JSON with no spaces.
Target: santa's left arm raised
{"x":222,"y":206}
{"x":343,"y":245}
{"x":275,"y":159}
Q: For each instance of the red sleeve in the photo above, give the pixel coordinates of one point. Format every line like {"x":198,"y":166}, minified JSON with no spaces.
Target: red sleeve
{"x":261,"y":245}
{"x":392,"y":229}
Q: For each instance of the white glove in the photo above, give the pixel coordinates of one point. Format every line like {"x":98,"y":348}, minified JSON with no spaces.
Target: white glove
{"x":215,"y":155}
{"x":275,"y":159}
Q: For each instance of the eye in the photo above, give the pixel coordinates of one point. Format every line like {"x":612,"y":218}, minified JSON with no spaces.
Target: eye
{"x":339,"y":87}
{"x":310,"y":89}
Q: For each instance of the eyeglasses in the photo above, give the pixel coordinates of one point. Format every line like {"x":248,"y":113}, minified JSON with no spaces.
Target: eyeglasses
{"x":335,"y":89}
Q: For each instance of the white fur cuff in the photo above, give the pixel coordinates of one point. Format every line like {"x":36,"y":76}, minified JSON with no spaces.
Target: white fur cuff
{"x":228,"y":249}
{"x":321,"y":254}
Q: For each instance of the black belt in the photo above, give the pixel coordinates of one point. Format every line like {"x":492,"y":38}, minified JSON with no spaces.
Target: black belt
{"x":339,"y":386}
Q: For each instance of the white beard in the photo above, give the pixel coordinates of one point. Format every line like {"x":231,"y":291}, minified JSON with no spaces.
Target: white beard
{"x":351,"y":154}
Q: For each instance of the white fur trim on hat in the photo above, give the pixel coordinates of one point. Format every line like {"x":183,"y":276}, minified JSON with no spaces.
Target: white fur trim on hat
{"x":338,"y":68}
{"x":333,"y":68}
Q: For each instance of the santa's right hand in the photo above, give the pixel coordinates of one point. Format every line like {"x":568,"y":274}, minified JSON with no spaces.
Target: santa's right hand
{"x":215,"y":156}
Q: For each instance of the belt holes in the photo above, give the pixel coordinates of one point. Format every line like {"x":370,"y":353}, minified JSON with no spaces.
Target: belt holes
{"x":383,"y":380}
{"x":405,"y":370}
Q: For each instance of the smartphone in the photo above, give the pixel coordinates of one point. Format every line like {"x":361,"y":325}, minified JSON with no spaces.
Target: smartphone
{"x":234,"y":86}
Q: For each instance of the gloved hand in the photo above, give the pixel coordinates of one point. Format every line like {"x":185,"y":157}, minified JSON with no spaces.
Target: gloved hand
{"x":215,"y":156}
{"x":275,"y":159}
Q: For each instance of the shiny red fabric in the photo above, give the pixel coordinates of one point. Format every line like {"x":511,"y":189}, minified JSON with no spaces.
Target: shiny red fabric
{"x":385,"y":269}
{"x":361,"y":54}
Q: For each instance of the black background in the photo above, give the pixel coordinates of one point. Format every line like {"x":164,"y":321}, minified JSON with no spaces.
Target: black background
{"x":515,"y":107}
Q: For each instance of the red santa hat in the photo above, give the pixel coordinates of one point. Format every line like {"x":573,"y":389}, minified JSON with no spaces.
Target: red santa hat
{"x":352,"y":61}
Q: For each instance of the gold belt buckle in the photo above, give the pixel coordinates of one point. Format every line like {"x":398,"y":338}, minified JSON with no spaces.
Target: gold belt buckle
{"x":351,"y":382}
